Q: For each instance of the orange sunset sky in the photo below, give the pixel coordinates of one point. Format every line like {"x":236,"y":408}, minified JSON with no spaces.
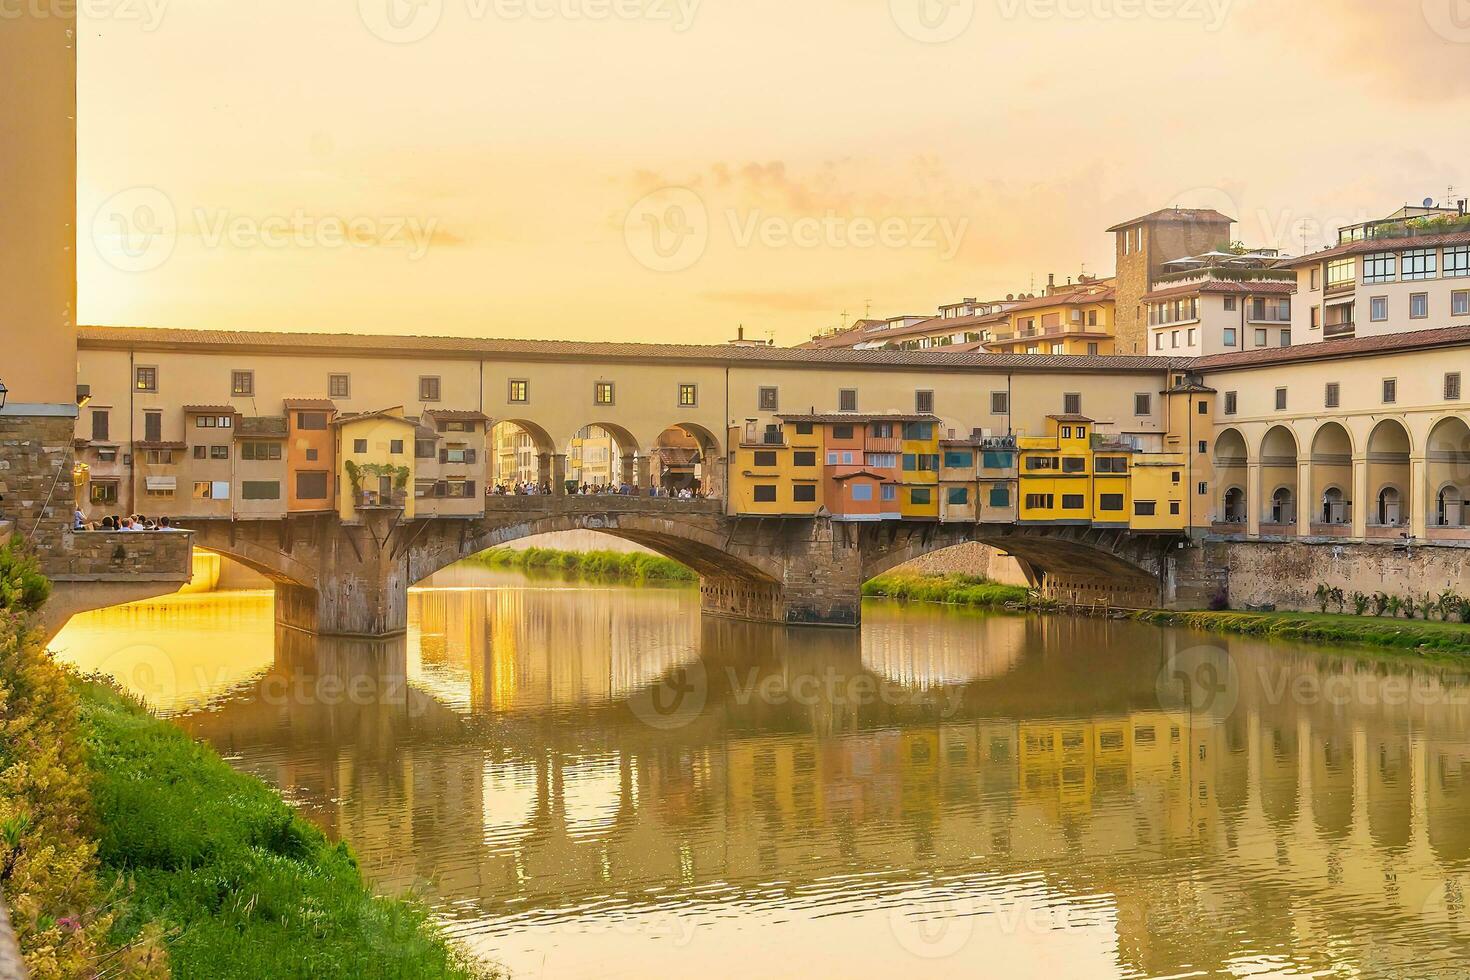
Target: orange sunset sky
{"x":668,"y":169}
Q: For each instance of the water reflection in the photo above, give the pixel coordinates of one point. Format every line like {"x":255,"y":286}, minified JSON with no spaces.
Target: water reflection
{"x":595,"y":781}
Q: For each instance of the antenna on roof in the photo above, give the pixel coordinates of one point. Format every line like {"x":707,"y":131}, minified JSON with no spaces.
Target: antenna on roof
{"x":868,"y":310}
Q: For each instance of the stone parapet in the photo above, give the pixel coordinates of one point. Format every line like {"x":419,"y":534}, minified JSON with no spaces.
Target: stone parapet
{"x":99,"y":556}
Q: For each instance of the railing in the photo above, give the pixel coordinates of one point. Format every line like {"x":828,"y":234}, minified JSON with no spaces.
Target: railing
{"x":1338,"y":329}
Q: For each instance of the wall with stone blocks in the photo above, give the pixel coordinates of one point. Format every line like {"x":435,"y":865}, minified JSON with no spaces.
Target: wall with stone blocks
{"x":1287,"y":574}
{"x":35,"y":479}
{"x":971,"y":558}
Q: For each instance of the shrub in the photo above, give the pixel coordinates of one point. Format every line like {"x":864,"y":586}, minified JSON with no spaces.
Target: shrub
{"x":22,"y":586}
{"x":1380,"y":603}
{"x":1324,"y":596}
{"x":1360,"y":603}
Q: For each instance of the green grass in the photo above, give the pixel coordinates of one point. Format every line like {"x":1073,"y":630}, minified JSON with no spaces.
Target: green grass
{"x":1323,"y":628}
{"x":606,"y":565}
{"x":242,"y":885}
{"x":957,"y":590}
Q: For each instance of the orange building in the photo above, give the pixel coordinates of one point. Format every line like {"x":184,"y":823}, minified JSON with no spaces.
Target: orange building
{"x":310,"y":455}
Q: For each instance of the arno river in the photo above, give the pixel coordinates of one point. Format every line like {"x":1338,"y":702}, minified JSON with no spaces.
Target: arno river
{"x":591,"y":782}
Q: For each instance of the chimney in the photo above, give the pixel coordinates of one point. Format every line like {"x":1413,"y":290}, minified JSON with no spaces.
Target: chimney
{"x":1051,"y":280}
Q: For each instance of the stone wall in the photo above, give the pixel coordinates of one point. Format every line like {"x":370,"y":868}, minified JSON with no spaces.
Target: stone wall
{"x":970,"y":558}
{"x":99,"y":556}
{"x":1287,"y":574}
{"x":35,"y":480}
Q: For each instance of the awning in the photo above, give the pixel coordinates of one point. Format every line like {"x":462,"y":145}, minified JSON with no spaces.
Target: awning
{"x":162,"y":483}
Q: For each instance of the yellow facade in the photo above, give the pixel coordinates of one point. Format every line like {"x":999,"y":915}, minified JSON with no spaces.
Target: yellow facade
{"x":379,"y":448}
{"x":1056,"y":470}
{"x":1070,"y":325}
{"x":773,"y":471}
{"x":919,"y":496}
{"x":1158,"y":479}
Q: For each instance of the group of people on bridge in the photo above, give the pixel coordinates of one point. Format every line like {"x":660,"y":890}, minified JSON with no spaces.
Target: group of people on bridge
{"x":532,"y":489}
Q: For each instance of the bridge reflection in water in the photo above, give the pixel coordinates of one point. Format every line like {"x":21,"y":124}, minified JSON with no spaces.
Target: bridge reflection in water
{"x":944,"y":791}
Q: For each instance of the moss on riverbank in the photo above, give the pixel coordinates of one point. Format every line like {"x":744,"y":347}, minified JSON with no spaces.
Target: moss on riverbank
{"x":955,"y":590}
{"x":242,"y":886}
{"x":604,"y":565}
{"x":1402,"y":634}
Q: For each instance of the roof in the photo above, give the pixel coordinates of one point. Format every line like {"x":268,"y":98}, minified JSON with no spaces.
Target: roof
{"x":211,"y":409}
{"x":1352,"y":347}
{"x":261,"y":427}
{"x":839,"y":418}
{"x":394,"y":414}
{"x":1379,"y":245}
{"x":1254,"y":287}
{"x":677,"y":455}
{"x":456,"y":415}
{"x":159,"y":444}
{"x":474,"y":348}
{"x":311,"y":404}
{"x":1070,"y":418}
{"x":862,"y":471}
{"x":1175,"y":215}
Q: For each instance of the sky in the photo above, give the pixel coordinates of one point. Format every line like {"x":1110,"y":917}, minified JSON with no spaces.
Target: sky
{"x":671,"y":170}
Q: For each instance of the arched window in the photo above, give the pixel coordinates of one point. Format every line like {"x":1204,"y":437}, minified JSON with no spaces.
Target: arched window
{"x":1451,"y":507}
{"x":1235,"y":506}
{"x":1388,"y":507}
{"x":1334,"y":508}
{"x":1282,"y":511}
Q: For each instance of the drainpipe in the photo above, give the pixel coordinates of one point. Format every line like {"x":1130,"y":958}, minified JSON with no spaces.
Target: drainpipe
{"x":132,"y":440}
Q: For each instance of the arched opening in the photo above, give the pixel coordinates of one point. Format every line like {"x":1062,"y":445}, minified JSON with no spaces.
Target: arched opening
{"x":685,"y":460}
{"x":604,"y":458}
{"x":1235,"y":506}
{"x":1388,"y":470}
{"x":520,"y":455}
{"x":1335,"y":507}
{"x":1230,"y":472}
{"x":1332,"y":469}
{"x":1447,"y":457}
{"x":1279,"y":470}
{"x":1283,"y":506}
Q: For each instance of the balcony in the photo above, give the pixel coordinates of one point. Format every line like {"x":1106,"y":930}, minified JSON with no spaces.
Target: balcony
{"x":1337,"y":330}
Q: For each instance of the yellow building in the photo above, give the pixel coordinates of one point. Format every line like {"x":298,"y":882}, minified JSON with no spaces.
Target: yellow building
{"x":1078,"y":322}
{"x":376,"y":450}
{"x":775,"y":471}
{"x":1056,"y":473}
{"x":919,"y":496}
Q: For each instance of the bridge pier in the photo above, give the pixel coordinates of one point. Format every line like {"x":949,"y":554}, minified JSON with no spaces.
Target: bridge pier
{"x":361,"y":587}
{"x":821,"y":581}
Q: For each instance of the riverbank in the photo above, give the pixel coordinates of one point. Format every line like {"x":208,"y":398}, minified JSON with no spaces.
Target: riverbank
{"x":1396,"y":634}
{"x":129,"y":850}
{"x":613,"y":566}
{"x":954,"y":590}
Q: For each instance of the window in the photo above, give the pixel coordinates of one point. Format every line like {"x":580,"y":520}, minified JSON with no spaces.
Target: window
{"x":201,"y":452}
{"x":1390,"y":390}
{"x":1110,"y":502}
{"x":924,"y":402}
{"x":889,"y":492}
{"x":359,"y":445}
{"x":765,"y":493}
{"x":1316,"y":318}
{"x":1000,"y":497}
{"x":1316,"y":277}
{"x":957,"y":496}
{"x":803,"y":458}
{"x":1280,"y":399}
{"x":863,"y":492}
{"x":428,"y":389}
{"x":1418,"y":306}
{"x":688,"y":395}
{"x":153,"y":426}
{"x":804,"y":428}
{"x":1380,"y":267}
{"x":1071,"y":403}
{"x":395,"y":447}
{"x":804,"y":493}
{"x":1229,"y":337}
{"x":1145,"y":508}
{"x":918,"y":431}
{"x":1232,"y":402}
{"x":1332,"y":398}
{"x":1073,"y":501}
{"x":1260,"y":338}
{"x":100,"y":425}
{"x":1452,"y":386}
{"x":311,"y":486}
{"x":339,"y":386}
{"x":765,"y":458}
{"x":1189,"y":337}
{"x":311,"y":421}
{"x":1204,"y":447}
{"x":921,"y":496}
{"x":145,"y":378}
{"x":768,"y":400}
{"x":602,"y":393}
{"x":1159,"y":341}
{"x":1202,"y":408}
{"x":1000,"y":403}
{"x":1173,"y":338}
{"x":847,"y":400}
{"x":1202,"y":489}
{"x":1143,"y":404}
{"x":260,"y":490}
{"x":518,"y":391}
{"x":1457,"y":262}
{"x":1074,"y":464}
{"x":1039,"y":501}
{"x":1340,"y":272}
{"x":1092,"y":349}
{"x":1286,"y":338}
{"x":219,"y":452}
{"x":159,"y":457}
{"x":1460,"y":303}
{"x":1174,"y":507}
{"x":1111,"y":464}
{"x":1378,"y":309}
{"x":1230,"y":304}
{"x":311,"y":455}
{"x":1041,"y":462}
{"x":881,"y":461}
{"x":995,"y":461}
{"x":204,"y":490}
{"x":958,"y":459}
{"x":104,"y":493}
{"x":842,"y":432}
{"x":242,"y":383}
{"x":424,"y":449}
{"x":1421,"y":263}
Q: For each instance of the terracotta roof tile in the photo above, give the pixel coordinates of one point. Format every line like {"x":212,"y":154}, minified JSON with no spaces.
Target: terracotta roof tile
{"x":1379,"y":245}
{"x":1175,"y":215}
{"x":839,"y":418}
{"x":311,"y":404}
{"x":1255,"y":287}
{"x":261,"y":427}
{"x":211,"y":409}
{"x":456,"y":415}
{"x":1354,"y":346}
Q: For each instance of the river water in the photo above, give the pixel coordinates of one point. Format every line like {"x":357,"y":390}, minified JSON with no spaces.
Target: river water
{"x":590,"y":781}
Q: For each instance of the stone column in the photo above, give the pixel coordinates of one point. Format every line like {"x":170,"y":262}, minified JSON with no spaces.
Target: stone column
{"x":559,"y":474}
{"x":1419,"y":497}
{"x":714,"y":476}
{"x":645,"y":472}
{"x":361,"y":589}
{"x":630,"y":468}
{"x":543,"y":466}
{"x":1253,"y":501}
{"x":1304,"y":496}
{"x":1360,"y":505}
